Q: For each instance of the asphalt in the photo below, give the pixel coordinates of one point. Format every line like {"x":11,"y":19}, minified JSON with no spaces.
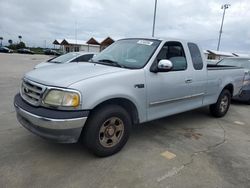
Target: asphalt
{"x":188,"y":150}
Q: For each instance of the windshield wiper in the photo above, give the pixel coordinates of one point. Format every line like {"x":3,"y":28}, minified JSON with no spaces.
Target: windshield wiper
{"x":114,"y":63}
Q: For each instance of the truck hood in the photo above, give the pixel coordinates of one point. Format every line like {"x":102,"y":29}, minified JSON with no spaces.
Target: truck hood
{"x":67,"y":74}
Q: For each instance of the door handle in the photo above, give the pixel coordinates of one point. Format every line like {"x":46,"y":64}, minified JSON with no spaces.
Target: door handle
{"x":189,"y":80}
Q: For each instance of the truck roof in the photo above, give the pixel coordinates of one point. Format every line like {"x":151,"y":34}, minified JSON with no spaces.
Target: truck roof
{"x":158,"y":38}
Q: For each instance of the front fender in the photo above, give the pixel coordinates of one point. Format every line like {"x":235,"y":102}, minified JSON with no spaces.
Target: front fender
{"x":121,"y":85}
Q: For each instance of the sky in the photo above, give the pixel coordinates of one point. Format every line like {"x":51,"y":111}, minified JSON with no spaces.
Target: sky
{"x":38,"y":21}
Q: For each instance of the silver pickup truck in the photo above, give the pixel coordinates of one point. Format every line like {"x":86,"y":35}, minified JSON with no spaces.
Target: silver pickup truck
{"x":134,"y":80}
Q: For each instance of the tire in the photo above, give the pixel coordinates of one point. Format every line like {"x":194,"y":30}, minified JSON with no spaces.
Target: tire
{"x":107,"y":130}
{"x":220,"y":108}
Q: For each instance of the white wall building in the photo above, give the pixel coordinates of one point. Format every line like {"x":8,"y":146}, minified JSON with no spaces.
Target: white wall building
{"x":70,"y":45}
{"x":92,"y":45}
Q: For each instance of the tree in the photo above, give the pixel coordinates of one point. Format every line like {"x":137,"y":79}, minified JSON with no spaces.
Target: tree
{"x":10,"y":41}
{"x":20,"y":38}
{"x":1,"y":38}
{"x":11,"y":45}
{"x":20,"y":45}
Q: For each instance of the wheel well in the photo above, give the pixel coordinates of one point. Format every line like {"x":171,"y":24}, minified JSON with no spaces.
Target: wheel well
{"x":230,"y":87}
{"x":126,"y":104}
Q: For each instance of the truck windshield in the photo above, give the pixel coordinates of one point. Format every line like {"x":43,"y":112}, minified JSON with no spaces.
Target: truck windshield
{"x":128,"y":53}
{"x":244,"y":63}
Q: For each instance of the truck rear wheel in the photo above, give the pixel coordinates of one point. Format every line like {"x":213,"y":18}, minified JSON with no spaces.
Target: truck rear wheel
{"x":220,"y":108}
{"x":107,"y":130}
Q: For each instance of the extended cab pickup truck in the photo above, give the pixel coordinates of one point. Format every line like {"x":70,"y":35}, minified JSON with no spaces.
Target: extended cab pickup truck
{"x":132,"y":81}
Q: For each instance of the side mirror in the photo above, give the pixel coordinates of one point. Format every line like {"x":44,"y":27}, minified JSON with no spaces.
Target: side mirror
{"x":164,"y":65}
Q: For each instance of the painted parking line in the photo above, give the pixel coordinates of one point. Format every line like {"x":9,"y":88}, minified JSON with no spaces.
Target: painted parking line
{"x":239,"y":122}
{"x":168,"y":155}
{"x":170,"y":173}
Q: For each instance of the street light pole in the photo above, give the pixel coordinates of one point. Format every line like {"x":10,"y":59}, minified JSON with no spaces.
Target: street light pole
{"x":224,"y":7}
{"x":153,"y":31}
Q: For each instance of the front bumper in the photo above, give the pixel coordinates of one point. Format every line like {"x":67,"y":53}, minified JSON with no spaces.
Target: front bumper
{"x":243,"y":96}
{"x":55,"y":125}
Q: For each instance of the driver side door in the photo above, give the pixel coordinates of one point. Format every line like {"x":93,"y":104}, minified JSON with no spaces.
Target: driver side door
{"x":168,"y":92}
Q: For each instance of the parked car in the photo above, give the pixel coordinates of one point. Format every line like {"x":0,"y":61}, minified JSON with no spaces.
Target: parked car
{"x":67,"y":58}
{"x":25,"y":51}
{"x":5,"y":50}
{"x":130,"y":82}
{"x":51,"y":52}
{"x":244,"y":94}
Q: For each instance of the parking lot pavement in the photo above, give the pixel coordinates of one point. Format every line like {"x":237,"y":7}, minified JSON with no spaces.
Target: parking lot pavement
{"x":188,"y":150}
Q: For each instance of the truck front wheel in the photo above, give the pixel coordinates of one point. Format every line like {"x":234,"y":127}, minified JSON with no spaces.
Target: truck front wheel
{"x":220,"y":108}
{"x":107,"y":130}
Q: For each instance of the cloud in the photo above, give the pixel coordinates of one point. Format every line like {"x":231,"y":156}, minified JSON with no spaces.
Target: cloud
{"x":196,"y":20}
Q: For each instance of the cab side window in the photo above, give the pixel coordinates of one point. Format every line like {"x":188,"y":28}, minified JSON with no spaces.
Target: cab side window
{"x":196,"y":56}
{"x":174,"y":52}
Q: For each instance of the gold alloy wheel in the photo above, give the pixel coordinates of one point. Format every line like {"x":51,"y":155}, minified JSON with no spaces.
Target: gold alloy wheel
{"x":111,"y":132}
{"x":224,"y":103}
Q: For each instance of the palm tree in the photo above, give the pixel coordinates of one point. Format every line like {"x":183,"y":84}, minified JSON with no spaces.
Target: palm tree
{"x":20,"y":37}
{"x":1,"y":38}
{"x":10,"y":41}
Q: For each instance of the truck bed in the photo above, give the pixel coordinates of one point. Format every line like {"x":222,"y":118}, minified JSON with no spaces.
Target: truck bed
{"x":219,"y":76}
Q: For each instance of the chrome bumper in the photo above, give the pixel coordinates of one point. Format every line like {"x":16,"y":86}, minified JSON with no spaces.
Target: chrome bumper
{"x":50,"y":123}
{"x":65,"y":128}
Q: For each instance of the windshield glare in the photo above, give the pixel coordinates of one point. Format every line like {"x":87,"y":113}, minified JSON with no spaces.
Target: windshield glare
{"x":130,"y":53}
{"x":64,"y":58}
{"x":245,"y":63}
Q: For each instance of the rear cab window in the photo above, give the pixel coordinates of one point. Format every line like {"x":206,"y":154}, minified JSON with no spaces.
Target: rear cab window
{"x":195,"y":56}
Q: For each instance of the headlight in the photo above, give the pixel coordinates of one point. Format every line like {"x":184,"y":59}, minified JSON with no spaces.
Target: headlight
{"x":62,"y":98}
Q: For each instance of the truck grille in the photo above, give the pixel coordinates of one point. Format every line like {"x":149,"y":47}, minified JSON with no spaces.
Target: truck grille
{"x":32,"y":92}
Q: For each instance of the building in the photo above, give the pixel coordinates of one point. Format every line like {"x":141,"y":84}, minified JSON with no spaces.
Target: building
{"x":70,"y":45}
{"x":105,"y":43}
{"x":205,"y":52}
{"x":57,"y":44}
{"x":91,"y":45}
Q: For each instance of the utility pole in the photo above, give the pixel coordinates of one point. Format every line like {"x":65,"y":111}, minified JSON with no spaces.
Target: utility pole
{"x":153,"y":31}
{"x":224,"y":7}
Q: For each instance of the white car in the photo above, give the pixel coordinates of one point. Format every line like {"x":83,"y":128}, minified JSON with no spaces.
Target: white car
{"x":68,"y":58}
